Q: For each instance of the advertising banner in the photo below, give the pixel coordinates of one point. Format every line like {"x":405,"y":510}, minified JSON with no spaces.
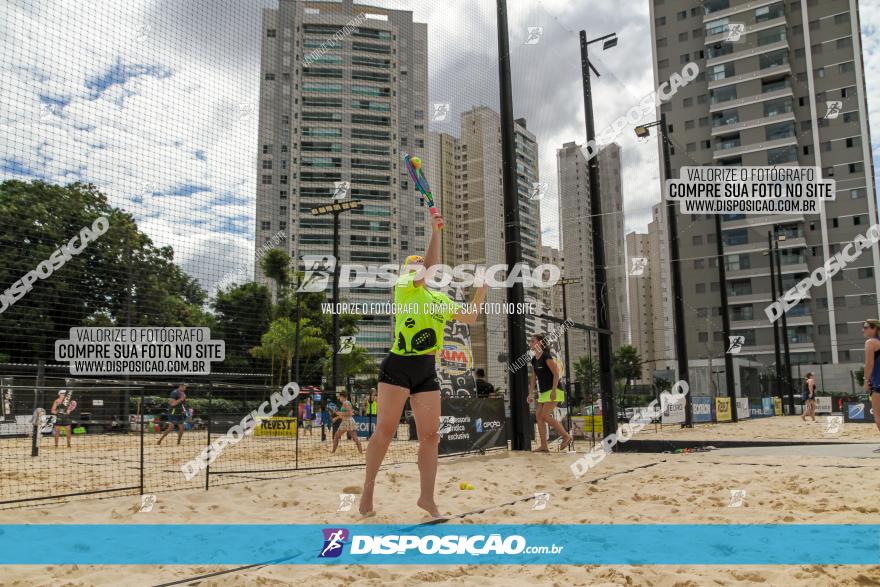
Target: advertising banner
{"x":471,"y":424}
{"x":365,"y":425}
{"x":673,"y":407}
{"x":777,"y":406}
{"x":858,"y":412}
{"x":823,"y":404}
{"x":455,"y":360}
{"x":756,"y":407}
{"x":586,"y":426}
{"x":276,"y":426}
{"x":767,"y":406}
{"x":742,"y":408}
{"x":702,"y":409}
{"x":722,"y":409}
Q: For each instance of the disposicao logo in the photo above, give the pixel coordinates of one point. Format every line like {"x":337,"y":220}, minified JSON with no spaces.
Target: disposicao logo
{"x":334,"y":540}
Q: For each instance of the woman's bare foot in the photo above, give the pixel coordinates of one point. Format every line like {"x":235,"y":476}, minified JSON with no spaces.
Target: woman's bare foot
{"x":429,"y":506}
{"x":541,"y":449}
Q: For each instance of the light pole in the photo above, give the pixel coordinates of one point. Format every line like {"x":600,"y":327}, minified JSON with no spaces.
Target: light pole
{"x":521,"y":438}
{"x":563,"y":283}
{"x":606,"y":378}
{"x":775,"y":326}
{"x":674,"y":265}
{"x":335,"y":209}
{"x":785,"y":348}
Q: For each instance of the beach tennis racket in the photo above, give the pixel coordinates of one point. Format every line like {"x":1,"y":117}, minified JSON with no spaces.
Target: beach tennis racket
{"x":414,"y":166}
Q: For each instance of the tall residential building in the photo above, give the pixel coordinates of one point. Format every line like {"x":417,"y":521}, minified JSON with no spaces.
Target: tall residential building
{"x":551,"y":297}
{"x":610,"y":186}
{"x":479,"y":219}
{"x":343,"y":108}
{"x":662,"y":330}
{"x":442,"y":149}
{"x":774,"y":75}
{"x":640,"y":307}
{"x":576,"y":222}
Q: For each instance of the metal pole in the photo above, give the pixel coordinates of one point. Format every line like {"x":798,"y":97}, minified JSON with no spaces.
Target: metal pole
{"x":210,"y":417}
{"x":725,"y":319}
{"x":785,"y":348}
{"x":141,"y":410}
{"x":335,"y":300}
{"x":606,"y":377}
{"x":38,"y":428}
{"x":775,"y":325}
{"x":675,"y":269}
{"x":568,"y":375}
{"x":298,"y":326}
{"x":516,"y":325}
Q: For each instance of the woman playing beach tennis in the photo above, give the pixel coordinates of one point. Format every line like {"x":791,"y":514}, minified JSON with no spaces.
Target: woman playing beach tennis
{"x":546,"y":376}
{"x":871,"y":330}
{"x":347,"y":425}
{"x":409,"y":370}
{"x":809,"y":397}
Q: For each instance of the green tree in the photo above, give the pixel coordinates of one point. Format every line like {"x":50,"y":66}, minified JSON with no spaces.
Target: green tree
{"x":356,"y":363}
{"x":279,"y":346}
{"x":276,"y":266}
{"x":120,"y":278}
{"x":587,"y":373}
{"x":243,"y":314}
{"x":627,"y":365}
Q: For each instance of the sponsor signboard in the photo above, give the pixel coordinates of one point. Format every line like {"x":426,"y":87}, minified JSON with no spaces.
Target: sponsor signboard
{"x":823,"y":404}
{"x":756,"y":407}
{"x":858,"y":412}
{"x":366,"y":425}
{"x":586,"y":426}
{"x":722,"y":409}
{"x":455,"y":361}
{"x":742,"y":408}
{"x":702,"y":409}
{"x":767,"y":406}
{"x":472,"y":424}
{"x":276,"y":426}
{"x":673,"y":408}
{"x":777,"y":406}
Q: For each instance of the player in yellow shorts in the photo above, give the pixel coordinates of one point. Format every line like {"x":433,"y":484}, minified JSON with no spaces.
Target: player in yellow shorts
{"x":546,"y":375}
{"x":409,"y":370}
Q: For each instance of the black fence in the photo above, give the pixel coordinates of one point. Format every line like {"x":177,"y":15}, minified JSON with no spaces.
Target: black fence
{"x":112,"y":442}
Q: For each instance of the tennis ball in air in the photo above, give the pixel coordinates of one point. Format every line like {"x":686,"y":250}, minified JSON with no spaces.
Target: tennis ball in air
{"x":416,"y":162}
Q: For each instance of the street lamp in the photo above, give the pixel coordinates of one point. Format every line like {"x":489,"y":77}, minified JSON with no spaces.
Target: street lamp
{"x":606,"y":378}
{"x":774,"y":325}
{"x":563,"y":283}
{"x":335,"y":209}
{"x":785,"y":348}
{"x":642,"y":131}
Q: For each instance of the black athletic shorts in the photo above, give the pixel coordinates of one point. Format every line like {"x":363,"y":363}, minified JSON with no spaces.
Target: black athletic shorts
{"x":62,"y":420}
{"x":176,"y":418}
{"x":417,"y":373}
{"x":874,"y":390}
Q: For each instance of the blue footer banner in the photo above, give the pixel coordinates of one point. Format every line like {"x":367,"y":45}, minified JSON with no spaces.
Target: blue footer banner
{"x":240,"y":544}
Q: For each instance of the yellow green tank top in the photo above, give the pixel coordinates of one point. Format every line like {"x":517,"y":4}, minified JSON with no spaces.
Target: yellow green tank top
{"x":421,"y":315}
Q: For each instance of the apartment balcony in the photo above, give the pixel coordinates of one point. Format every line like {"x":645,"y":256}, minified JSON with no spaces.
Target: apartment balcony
{"x":764,"y":272}
{"x":757,"y":247}
{"x":754,"y":147}
{"x":795,"y":347}
{"x":750,"y":29}
{"x":753,"y":99}
{"x":742,"y":50}
{"x":744,"y":7}
{"x":751,"y":75}
{"x":752,"y":221}
{"x":754,"y":123}
{"x":760,"y":321}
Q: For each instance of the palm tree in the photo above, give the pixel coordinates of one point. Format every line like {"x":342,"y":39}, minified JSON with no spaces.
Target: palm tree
{"x":280,"y":341}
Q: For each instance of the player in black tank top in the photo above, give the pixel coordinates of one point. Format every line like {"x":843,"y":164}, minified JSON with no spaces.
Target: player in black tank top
{"x":545,"y":375}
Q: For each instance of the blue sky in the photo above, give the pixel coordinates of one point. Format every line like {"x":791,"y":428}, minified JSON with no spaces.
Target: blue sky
{"x":156,"y":102}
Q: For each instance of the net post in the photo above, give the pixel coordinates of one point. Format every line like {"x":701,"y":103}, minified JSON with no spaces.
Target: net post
{"x":210,"y":416}
{"x":141,"y":412}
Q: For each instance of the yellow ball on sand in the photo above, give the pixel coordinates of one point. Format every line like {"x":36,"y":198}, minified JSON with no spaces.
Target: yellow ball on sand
{"x":416,"y":162}
{"x":465,"y":485}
